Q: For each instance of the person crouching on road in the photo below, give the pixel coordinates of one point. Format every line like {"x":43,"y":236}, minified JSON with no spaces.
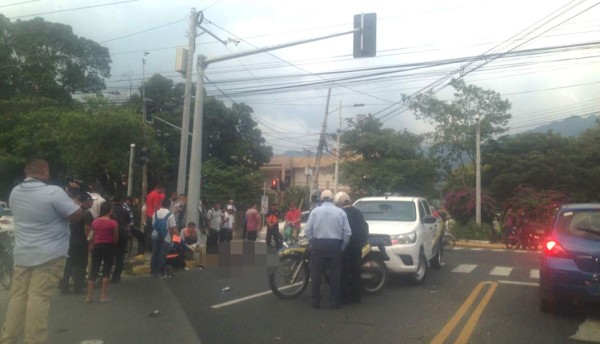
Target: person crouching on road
{"x":328,"y":233}
{"x":106,"y":236}
{"x":352,"y":256}
{"x":193,"y":239}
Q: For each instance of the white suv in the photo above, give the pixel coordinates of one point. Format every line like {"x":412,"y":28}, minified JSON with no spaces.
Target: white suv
{"x":411,"y":234}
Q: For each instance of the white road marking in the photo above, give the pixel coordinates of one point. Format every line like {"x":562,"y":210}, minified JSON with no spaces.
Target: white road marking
{"x":499,"y":250}
{"x":458,"y":248}
{"x":477,"y":249}
{"x":528,"y":284}
{"x":465,"y":268}
{"x":241,"y":299}
{"x":534,"y":273}
{"x":588,"y":331}
{"x":501,"y":271}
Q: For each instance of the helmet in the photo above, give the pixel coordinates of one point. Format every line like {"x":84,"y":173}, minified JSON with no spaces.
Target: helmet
{"x":342,"y":198}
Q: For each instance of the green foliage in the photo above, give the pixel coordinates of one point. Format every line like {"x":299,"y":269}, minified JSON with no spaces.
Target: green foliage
{"x":472,"y":231}
{"x":385,"y":161}
{"x":460,"y":204}
{"x":541,"y":160}
{"x":454,"y":135}
{"x":223,"y":182}
{"x":295,"y":194}
{"x":44,"y":59}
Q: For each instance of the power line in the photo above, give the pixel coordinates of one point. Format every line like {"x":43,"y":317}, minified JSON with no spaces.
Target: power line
{"x":73,"y":9}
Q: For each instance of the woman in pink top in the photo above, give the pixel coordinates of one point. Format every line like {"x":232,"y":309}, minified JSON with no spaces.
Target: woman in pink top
{"x":253,"y":222}
{"x":106,"y":235}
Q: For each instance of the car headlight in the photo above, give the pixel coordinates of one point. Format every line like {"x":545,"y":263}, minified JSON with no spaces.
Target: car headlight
{"x":404,"y":239}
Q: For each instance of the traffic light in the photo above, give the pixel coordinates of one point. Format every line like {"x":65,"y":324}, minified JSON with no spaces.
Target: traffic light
{"x":274,"y":184}
{"x":365,"y":36}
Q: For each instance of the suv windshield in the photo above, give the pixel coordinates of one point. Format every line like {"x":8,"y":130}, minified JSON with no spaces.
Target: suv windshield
{"x":387,"y":210}
{"x":579,"y":223}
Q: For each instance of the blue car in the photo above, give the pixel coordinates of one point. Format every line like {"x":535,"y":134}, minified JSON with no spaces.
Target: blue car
{"x":570,"y":269}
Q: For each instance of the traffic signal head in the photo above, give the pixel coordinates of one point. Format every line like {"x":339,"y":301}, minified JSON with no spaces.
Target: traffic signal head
{"x":274,"y":184}
{"x":365,"y":36}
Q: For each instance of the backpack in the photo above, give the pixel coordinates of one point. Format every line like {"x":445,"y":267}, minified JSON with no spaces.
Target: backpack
{"x":160,"y":227}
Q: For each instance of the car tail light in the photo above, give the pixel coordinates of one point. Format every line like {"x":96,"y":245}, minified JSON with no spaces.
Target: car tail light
{"x":552,"y":248}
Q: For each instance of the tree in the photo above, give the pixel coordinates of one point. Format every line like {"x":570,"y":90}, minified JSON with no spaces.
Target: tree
{"x":48,"y":60}
{"x":545,"y":161}
{"x":454,"y":135}
{"x":386,"y":160}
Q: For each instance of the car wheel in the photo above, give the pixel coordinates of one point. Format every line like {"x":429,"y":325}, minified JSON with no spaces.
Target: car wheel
{"x":418,"y":277}
{"x":436,"y":260}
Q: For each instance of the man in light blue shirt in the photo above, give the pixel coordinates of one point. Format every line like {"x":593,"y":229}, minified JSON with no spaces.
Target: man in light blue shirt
{"x":42,"y":214}
{"x":328,"y":233}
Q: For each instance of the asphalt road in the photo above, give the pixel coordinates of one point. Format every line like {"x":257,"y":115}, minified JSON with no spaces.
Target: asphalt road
{"x":479,"y":296}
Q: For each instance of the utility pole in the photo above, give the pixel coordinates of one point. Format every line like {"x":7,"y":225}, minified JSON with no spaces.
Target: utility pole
{"x":478,"y":171}
{"x":130,"y":177}
{"x":145,"y":147}
{"x":196,"y":154}
{"x":321,"y":142}
{"x":185,"y":122}
{"x":337,"y":150}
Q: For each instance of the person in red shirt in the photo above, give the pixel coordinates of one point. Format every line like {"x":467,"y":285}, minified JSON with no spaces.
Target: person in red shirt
{"x":153,"y":203}
{"x":106,"y":236}
{"x":292,"y":223}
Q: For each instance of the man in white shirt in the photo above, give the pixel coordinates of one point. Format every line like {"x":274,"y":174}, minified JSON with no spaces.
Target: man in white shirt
{"x":227,"y":225}
{"x":214,"y":217}
{"x":42,"y":214}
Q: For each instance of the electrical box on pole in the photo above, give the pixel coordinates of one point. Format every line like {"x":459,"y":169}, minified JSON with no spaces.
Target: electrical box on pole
{"x":365,"y":35}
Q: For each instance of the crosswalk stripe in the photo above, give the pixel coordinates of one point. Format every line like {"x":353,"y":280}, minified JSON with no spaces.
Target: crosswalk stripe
{"x":477,"y":249}
{"x":465,"y":268}
{"x":534,"y":273}
{"x":501,"y":271}
{"x":499,"y":250}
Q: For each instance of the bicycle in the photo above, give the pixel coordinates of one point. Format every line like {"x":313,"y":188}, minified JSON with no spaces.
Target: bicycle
{"x":448,"y":242}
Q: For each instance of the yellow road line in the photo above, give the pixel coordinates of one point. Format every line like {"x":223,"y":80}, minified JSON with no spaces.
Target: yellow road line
{"x":470,"y":326}
{"x":441,"y":337}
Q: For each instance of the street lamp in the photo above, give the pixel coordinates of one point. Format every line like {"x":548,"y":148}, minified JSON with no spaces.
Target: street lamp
{"x":337,"y":150}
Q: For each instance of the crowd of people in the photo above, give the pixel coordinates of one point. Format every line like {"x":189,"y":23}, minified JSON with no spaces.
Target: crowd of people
{"x":65,"y":235}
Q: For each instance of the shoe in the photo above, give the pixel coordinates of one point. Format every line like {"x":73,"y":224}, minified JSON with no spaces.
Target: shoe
{"x":165,"y":276}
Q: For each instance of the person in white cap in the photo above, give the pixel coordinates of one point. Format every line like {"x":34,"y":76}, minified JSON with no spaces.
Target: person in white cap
{"x":328,"y":233}
{"x":227,"y":225}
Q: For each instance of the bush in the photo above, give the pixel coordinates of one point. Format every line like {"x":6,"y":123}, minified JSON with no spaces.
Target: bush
{"x":460,"y":204}
{"x":472,"y":231}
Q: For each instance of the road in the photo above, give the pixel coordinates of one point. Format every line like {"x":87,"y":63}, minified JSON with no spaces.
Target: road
{"x":479,"y":296}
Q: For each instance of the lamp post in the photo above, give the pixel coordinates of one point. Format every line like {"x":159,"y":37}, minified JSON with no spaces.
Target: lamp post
{"x":478,"y":170}
{"x":337,"y":150}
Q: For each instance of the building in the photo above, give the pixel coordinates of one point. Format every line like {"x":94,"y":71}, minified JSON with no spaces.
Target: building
{"x":297,"y":171}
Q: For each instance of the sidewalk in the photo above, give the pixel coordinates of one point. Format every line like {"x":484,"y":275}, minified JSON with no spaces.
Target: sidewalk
{"x":479,"y":244}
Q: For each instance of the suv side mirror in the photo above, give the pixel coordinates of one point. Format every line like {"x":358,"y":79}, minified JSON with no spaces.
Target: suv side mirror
{"x":429,"y":219}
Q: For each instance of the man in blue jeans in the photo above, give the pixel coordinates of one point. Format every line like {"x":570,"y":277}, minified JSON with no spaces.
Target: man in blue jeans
{"x":161,"y":246}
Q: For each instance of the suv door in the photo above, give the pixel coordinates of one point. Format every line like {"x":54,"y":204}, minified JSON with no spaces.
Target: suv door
{"x":428,"y":231}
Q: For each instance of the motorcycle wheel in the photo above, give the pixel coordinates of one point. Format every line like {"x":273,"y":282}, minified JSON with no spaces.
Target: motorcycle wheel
{"x":374,"y":276}
{"x":5,"y":272}
{"x":281,"y":282}
{"x":512,"y":242}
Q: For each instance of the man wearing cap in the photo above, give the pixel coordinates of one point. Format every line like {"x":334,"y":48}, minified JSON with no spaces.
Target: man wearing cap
{"x":328,"y":233}
{"x":227,"y":225}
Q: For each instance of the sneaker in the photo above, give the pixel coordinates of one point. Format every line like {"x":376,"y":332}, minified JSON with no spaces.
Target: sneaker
{"x":165,"y":276}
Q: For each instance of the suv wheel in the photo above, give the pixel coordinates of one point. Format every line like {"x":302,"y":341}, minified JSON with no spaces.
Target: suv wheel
{"x":418,"y":277}
{"x":436,"y":261}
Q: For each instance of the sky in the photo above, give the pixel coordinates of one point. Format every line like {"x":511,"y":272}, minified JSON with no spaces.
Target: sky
{"x":549,"y":68}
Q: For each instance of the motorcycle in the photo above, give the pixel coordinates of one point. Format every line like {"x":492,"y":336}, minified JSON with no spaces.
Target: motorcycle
{"x":290,"y":278}
{"x":6,"y":258}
